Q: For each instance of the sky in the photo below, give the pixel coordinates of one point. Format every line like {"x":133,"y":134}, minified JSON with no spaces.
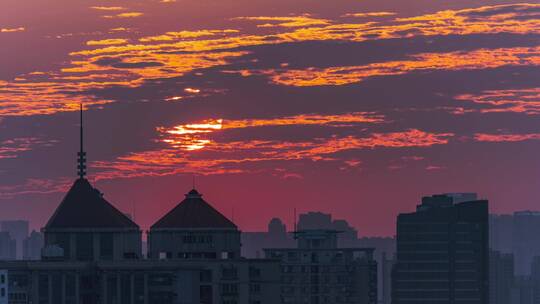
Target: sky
{"x":352,"y":107}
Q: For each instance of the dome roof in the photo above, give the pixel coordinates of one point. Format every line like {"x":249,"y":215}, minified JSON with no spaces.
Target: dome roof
{"x":194,"y":212}
{"x":84,"y":207}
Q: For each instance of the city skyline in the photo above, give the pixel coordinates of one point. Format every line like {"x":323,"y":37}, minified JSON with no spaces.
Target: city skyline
{"x":357,"y":109}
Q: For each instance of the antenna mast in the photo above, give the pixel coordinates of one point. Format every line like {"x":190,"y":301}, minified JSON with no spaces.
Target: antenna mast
{"x":81,"y":167}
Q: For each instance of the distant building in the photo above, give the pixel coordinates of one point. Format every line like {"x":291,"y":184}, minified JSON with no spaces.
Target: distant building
{"x":535,"y":279}
{"x":253,"y":243}
{"x":319,"y":220}
{"x":8,"y":246}
{"x":385,"y":273}
{"x":18,"y":229}
{"x":318,"y":271}
{"x":523,"y":290}
{"x":500,"y":232}
{"x":501,"y":277}
{"x":442,"y":253}
{"x":32,"y":246}
{"x":526,"y":243}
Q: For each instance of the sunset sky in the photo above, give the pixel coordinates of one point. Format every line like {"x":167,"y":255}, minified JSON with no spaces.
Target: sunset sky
{"x":353,"y":107}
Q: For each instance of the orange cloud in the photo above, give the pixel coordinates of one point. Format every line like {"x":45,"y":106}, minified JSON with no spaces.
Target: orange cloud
{"x":108,"y":8}
{"x":125,"y":15}
{"x":506,"y":137}
{"x":292,"y":21}
{"x":370,"y":14}
{"x":478,"y":59}
{"x":233,"y":157}
{"x":12,"y":30}
{"x":107,"y":42}
{"x":526,"y":101}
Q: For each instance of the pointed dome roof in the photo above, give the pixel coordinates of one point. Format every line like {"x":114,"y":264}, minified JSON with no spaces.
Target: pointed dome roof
{"x":194,"y":212}
{"x":84,"y":207}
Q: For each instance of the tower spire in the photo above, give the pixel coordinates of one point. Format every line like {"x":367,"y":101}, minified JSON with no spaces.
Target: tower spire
{"x":81,"y":155}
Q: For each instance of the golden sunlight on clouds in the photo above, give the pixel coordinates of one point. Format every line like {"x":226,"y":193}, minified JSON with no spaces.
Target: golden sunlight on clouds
{"x":525,"y":101}
{"x":506,"y":137}
{"x":293,"y":21}
{"x":125,"y":15}
{"x":370,"y":14}
{"x":188,"y":136}
{"x":479,"y":59}
{"x":231,"y":157}
{"x":170,"y":36}
{"x":12,"y":30}
{"x":175,"y":53}
{"x":108,"y":8}
{"x":107,"y":42}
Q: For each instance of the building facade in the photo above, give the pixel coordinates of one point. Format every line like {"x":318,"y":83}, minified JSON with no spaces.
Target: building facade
{"x":442,"y":253}
{"x":318,"y":272}
{"x":8,"y":246}
{"x":32,"y":246}
{"x":501,"y":277}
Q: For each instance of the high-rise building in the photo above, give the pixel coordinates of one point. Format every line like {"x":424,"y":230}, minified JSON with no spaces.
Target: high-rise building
{"x":32,"y":246}
{"x":317,"y":271}
{"x":526,"y":243}
{"x":501,"y":277}
{"x":8,"y":246}
{"x":500,"y":232}
{"x":18,"y":229}
{"x":442,"y":253}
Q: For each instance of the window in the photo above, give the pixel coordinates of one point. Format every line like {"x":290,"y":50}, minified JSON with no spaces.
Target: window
{"x":254,"y":288}
{"x":229,"y":289}
{"x":229,"y":273}
{"x":254,"y":272}
{"x":85,"y":246}
{"x":3,"y":279}
{"x":206,"y":275}
{"x":106,"y":246}
{"x":2,"y":292}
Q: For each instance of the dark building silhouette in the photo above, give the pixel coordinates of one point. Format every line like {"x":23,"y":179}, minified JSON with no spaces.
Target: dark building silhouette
{"x":8,"y":246}
{"x":525,"y":240}
{"x":194,"y":229}
{"x":32,"y":246}
{"x":501,"y":232}
{"x":277,"y":236}
{"x":18,"y":229}
{"x":442,"y":253}
{"x":196,"y":234}
{"x":501,"y":277}
{"x":317,"y":271}
{"x":92,"y":255}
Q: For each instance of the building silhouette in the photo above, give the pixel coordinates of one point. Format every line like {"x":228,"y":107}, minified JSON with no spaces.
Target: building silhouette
{"x":253,"y":243}
{"x":32,"y":246}
{"x":8,"y":246}
{"x":525,"y":241}
{"x":318,"y":271}
{"x":92,"y":255}
{"x":198,"y":235}
{"x":18,"y":229}
{"x":442,"y":253}
{"x":501,"y":232}
{"x":501,"y":277}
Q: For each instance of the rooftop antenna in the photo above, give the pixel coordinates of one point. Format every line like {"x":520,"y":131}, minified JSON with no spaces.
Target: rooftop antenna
{"x":81,"y":167}
{"x":193,"y":181}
